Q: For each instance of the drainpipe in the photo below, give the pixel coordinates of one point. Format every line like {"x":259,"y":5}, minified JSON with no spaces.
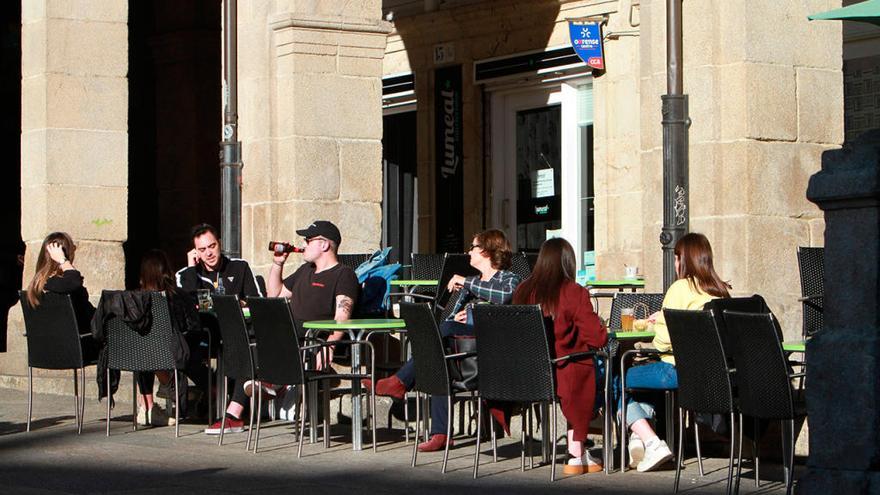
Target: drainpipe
{"x":230,"y":157}
{"x":675,"y":146}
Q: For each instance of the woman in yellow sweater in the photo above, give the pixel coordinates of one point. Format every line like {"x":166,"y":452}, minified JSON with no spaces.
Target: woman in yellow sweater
{"x":697,"y":284}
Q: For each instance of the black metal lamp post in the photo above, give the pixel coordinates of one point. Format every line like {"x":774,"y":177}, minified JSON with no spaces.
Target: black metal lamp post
{"x":675,"y":145}
{"x":230,"y":156}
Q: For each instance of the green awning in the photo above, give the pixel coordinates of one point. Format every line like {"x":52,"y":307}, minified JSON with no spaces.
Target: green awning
{"x":867,"y":11}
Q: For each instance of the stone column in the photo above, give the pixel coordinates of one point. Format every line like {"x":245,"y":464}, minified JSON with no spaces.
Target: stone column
{"x":74,"y":141}
{"x":844,"y":358}
{"x":325,"y":103}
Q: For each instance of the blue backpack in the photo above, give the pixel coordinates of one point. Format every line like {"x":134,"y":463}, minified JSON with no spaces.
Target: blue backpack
{"x":375,"y":276}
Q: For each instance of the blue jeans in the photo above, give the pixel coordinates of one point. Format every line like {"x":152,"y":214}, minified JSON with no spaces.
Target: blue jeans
{"x":407,"y":375}
{"x":656,"y":376}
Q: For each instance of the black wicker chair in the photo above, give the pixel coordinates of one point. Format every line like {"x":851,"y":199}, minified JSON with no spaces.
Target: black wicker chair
{"x":520,"y":265}
{"x":704,"y":384}
{"x":281,"y":360}
{"x":453,"y":264}
{"x":426,"y":267}
{"x":352,"y":260}
{"x":54,"y":342}
{"x":763,"y":380}
{"x":652,"y":300}
{"x":516,"y":364}
{"x":238,"y":353}
{"x":432,"y":365}
{"x":811,"y":263}
{"x":128,"y":350}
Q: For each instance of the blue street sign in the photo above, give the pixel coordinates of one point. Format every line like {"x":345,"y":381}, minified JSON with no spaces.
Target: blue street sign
{"x":586,"y":39}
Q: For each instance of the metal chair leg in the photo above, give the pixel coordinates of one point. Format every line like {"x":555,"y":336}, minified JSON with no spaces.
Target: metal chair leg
{"x":210,"y":382}
{"x":176,"y":406}
{"x":30,"y":407}
{"x":108,"y":401}
{"x":697,"y":440}
{"x":623,"y":427}
{"x":251,"y":403}
{"x":755,"y":448}
{"x":259,"y":395}
{"x":791,"y":446}
{"x":531,"y":440}
{"x":494,"y":440}
{"x":416,"y":437}
{"x":553,"y":452}
{"x":680,"y":453}
{"x":732,"y":445}
{"x":479,"y":433}
{"x":76,"y":401}
{"x":82,"y":399}
{"x":134,"y":391}
{"x":223,"y":417}
{"x":448,"y":432}
{"x":522,"y":448}
{"x":739,"y":459}
{"x":302,"y":418}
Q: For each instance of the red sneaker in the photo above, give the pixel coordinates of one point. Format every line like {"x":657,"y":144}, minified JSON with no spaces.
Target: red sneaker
{"x":232,"y":426}
{"x":437,"y":442}
{"x":389,"y":387}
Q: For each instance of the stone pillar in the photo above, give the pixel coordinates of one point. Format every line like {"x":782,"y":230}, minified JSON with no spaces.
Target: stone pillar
{"x":325,"y":105}
{"x":844,"y":358}
{"x":74,"y":140}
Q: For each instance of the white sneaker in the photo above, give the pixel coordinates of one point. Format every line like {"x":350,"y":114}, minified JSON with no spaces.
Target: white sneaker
{"x":158,"y":417}
{"x":592,"y":464}
{"x":268,"y":389}
{"x":636,"y":449}
{"x":142,"y":416}
{"x":657,"y":453}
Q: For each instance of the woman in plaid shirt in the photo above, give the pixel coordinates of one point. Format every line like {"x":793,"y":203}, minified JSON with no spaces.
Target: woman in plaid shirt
{"x":491,"y":255}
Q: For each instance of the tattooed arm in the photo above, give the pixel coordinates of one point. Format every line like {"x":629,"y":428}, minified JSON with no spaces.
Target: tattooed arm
{"x":344,"y":305}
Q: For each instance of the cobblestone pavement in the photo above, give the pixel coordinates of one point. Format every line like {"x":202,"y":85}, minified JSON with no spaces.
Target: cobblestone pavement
{"x":52,"y":459}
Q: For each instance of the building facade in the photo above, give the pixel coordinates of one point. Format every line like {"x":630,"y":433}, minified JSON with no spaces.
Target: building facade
{"x":418,"y":123}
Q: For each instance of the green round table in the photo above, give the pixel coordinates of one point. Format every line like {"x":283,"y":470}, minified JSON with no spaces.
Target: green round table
{"x":358,"y":330}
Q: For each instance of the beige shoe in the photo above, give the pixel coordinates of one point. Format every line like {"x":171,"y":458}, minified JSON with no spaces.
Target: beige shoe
{"x":158,"y":417}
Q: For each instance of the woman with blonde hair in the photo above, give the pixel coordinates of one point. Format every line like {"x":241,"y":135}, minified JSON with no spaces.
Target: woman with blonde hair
{"x":55,"y":273}
{"x":576,"y":328}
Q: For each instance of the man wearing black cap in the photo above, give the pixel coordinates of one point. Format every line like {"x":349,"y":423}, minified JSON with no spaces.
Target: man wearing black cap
{"x":322,"y":288}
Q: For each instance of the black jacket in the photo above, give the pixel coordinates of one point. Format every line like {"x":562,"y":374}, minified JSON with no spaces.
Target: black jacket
{"x":237,"y":278}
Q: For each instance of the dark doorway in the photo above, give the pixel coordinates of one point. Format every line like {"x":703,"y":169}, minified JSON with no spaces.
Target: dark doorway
{"x":399,"y":191}
{"x":10,"y":186}
{"x":174,"y":126}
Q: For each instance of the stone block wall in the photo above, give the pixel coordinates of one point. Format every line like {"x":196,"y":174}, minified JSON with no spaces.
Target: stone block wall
{"x":310,"y":121}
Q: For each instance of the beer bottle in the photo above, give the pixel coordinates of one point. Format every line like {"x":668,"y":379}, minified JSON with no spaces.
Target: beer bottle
{"x":279,"y":247}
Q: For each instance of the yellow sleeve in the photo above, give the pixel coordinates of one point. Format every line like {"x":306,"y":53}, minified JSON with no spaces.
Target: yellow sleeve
{"x":678,"y":296}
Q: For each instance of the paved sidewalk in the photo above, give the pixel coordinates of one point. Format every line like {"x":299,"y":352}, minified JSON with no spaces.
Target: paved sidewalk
{"x":52,"y":459}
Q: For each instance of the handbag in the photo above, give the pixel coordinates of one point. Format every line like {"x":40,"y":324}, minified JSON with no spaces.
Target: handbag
{"x":464,"y":371}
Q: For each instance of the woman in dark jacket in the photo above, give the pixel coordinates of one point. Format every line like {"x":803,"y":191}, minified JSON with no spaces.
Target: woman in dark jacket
{"x":55,"y":273}
{"x":156,"y":276}
{"x":576,"y":328}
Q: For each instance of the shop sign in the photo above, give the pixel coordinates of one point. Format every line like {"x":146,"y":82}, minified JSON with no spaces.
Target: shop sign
{"x":586,"y":39}
{"x":448,"y":154}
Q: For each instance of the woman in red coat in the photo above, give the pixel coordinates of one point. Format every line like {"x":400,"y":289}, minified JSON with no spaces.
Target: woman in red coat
{"x":576,"y":328}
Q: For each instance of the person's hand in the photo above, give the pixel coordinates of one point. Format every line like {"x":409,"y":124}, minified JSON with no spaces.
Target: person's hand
{"x":320,"y":365}
{"x":56,"y":252}
{"x":653,"y":317}
{"x":455,"y":283}
{"x":280,"y":258}
{"x":192,"y":257}
{"x":461,"y":316}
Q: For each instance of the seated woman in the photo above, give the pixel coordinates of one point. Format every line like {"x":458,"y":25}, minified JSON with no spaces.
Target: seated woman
{"x":55,"y":273}
{"x":697,"y":284}
{"x":576,"y":328}
{"x":156,"y":276}
{"x":490,"y":254}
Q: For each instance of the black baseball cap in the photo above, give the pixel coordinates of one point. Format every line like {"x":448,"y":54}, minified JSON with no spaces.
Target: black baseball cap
{"x":321,"y":228}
